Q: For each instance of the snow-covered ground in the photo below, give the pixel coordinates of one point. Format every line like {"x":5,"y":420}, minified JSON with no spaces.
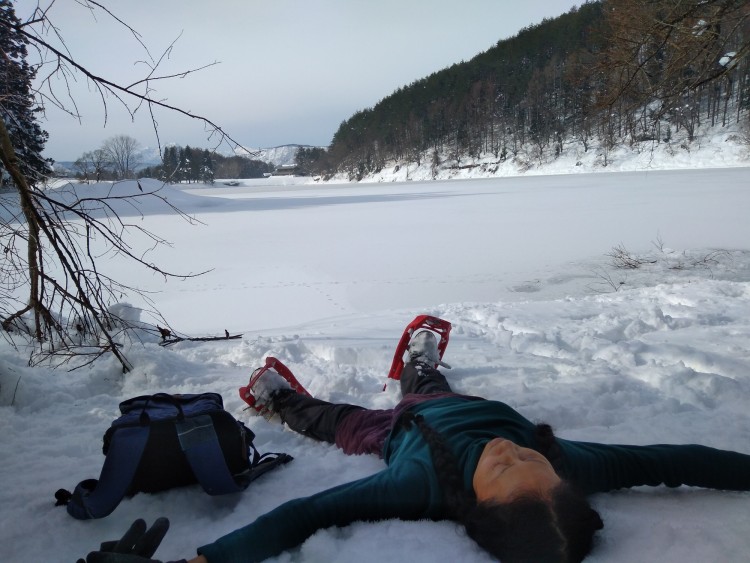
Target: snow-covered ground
{"x":326,"y":276}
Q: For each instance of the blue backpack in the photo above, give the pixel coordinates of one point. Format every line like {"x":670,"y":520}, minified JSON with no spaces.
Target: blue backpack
{"x":163,"y":441}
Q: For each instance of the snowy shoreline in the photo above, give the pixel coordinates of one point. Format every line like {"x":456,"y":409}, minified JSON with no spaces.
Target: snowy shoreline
{"x":718,"y":147}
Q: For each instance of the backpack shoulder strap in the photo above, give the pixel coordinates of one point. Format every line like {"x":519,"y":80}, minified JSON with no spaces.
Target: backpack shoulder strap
{"x":200,"y":444}
{"x":97,"y":498}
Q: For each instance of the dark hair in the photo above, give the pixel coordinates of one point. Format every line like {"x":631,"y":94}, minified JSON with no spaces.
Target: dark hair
{"x":528,"y":529}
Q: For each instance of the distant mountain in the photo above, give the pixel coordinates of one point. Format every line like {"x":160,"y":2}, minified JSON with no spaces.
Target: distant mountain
{"x":150,"y":156}
{"x":278,"y":156}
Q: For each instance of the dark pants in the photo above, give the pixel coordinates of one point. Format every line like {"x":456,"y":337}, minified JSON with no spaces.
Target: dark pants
{"x":353,"y":428}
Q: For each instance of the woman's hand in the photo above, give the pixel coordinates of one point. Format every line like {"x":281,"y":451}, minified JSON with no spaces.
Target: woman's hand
{"x":137,"y":545}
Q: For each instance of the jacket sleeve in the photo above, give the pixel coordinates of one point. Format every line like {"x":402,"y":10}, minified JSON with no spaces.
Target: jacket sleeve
{"x":600,"y":467}
{"x":393,"y":493}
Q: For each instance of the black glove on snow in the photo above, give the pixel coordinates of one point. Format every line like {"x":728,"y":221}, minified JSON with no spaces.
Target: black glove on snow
{"x":136,"y":546}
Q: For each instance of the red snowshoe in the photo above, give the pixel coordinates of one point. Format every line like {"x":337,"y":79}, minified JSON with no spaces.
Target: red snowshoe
{"x":259,"y":404}
{"x":438,"y":326}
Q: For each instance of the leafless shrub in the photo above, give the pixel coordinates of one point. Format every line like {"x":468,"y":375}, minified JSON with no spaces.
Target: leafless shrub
{"x":605,"y":283}
{"x":710,"y":260}
{"x":623,"y":259}
{"x":659,"y":244}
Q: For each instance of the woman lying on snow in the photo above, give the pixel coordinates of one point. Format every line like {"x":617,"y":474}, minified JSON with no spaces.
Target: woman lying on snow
{"x":517,"y":489}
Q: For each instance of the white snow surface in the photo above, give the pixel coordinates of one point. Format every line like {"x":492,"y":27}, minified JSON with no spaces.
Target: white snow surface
{"x":325,"y":277}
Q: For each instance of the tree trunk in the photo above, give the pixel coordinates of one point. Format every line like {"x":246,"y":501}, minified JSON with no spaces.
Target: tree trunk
{"x":10,"y":161}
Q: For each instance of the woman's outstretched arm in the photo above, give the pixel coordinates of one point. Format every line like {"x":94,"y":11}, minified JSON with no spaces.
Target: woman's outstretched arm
{"x":602,"y":467}
{"x":392,"y":493}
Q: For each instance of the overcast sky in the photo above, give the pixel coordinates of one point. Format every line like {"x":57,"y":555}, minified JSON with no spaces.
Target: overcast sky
{"x":289,"y":71}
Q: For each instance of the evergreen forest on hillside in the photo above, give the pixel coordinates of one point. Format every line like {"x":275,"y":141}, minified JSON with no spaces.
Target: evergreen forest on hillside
{"x":606,"y":73}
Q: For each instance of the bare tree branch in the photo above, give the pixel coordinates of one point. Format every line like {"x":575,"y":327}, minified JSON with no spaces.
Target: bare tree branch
{"x":118,"y":91}
{"x":54,"y":240}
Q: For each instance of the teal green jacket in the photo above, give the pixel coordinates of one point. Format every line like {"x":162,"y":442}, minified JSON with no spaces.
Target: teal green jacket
{"x":408,"y":487}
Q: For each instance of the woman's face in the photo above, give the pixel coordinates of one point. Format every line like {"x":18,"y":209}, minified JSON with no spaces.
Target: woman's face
{"x":507,"y":471}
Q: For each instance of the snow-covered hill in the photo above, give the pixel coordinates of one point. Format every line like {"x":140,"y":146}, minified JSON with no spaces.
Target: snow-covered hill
{"x":711,"y":148}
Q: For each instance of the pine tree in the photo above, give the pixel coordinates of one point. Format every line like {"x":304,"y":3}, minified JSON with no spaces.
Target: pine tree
{"x":170,"y":163}
{"x":207,"y":168}
{"x":196,"y":161}
{"x":186,"y":158}
{"x":18,"y":108}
